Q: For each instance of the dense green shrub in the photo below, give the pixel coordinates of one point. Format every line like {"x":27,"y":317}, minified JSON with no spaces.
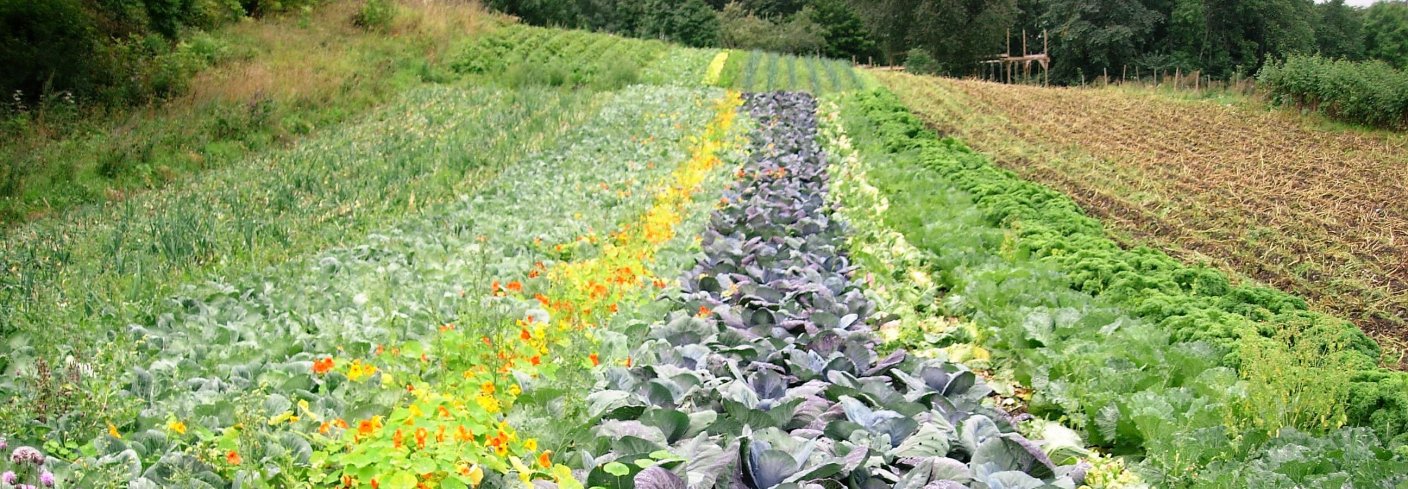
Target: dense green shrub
{"x":1371,"y":93}
{"x":111,"y":52}
{"x":919,"y":62}
{"x":376,"y":14}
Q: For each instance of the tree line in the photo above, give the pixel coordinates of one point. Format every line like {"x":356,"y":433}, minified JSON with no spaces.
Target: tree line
{"x":1219,"y":38}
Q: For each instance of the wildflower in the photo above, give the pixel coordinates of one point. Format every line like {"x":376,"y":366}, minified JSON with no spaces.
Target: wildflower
{"x":545,"y":459}
{"x":325,"y":427}
{"x":531,"y":444}
{"x":496,"y":289}
{"x":704,"y":311}
{"x":440,"y":435}
{"x":534,"y":273}
{"x":9,"y":477}
{"x":595,"y":359}
{"x":321,"y":367}
{"x":177,"y":427}
{"x":444,"y":413}
{"x":396,"y":439}
{"x":379,"y":349}
{"x":514,"y":390}
{"x":447,"y":327}
{"x":515,"y":286}
{"x":112,"y":431}
{"x":421,"y":433}
{"x":542,"y":299}
{"x":535,"y":360}
{"x":463,"y":434}
{"x":487,"y":341}
{"x":375,"y":484}
{"x":525,"y":335}
{"x":628,"y":362}
{"x":613,"y":308}
{"x":659,"y":283}
{"x":47,"y":479}
{"x":24,"y":455}
{"x":340,"y":423}
{"x":233,"y":457}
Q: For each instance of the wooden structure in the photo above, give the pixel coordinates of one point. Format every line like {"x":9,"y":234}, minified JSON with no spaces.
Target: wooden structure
{"x":1007,"y":68}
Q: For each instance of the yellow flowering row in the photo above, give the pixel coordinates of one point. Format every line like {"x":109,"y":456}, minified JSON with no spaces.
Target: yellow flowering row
{"x":451,"y":433}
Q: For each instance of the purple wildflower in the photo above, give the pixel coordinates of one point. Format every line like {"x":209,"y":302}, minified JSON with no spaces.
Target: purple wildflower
{"x":9,"y":477}
{"x":23,"y":455}
{"x":47,"y":478}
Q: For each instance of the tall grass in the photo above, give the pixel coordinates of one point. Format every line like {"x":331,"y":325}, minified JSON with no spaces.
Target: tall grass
{"x":266,"y":89}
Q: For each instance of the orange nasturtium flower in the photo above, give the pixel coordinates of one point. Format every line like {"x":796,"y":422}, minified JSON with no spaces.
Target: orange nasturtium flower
{"x":421,"y":433}
{"x":535,"y":360}
{"x":595,"y":359}
{"x":525,"y":335}
{"x":705,"y":311}
{"x":396,"y":439}
{"x":233,"y":457}
{"x":323,"y":366}
{"x":515,"y":286}
{"x":545,"y":459}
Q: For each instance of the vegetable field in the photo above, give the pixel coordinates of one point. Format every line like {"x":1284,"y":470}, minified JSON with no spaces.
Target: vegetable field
{"x":594,"y":262}
{"x":1312,"y":211}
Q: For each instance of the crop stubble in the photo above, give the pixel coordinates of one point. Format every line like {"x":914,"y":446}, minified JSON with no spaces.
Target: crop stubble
{"x":1317,"y":212}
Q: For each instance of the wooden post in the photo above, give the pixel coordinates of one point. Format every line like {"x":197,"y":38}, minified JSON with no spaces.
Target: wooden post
{"x":1105,"y":79}
{"x":1124,"y":75}
{"x":1177,"y":76}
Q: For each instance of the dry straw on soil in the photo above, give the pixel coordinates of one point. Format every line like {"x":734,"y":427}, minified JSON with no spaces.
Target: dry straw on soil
{"x":1319,"y":212}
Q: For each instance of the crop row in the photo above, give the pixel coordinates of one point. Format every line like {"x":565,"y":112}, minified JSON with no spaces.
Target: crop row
{"x":758,"y":71}
{"x":1235,"y":403}
{"x":279,"y":376}
{"x":1192,"y":303}
{"x":72,"y":288}
{"x":766,"y":373}
{"x":524,"y":55}
{"x":1257,"y":194}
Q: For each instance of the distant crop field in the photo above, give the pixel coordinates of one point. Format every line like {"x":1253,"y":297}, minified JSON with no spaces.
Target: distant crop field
{"x":1314,"y":211}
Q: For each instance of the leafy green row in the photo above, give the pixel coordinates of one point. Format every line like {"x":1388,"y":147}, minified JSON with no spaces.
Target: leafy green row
{"x":223,"y":359}
{"x":522,"y":55}
{"x":680,"y":66}
{"x":1189,"y":302}
{"x":1111,"y":369}
{"x":71,"y":287}
{"x":759,"y":71}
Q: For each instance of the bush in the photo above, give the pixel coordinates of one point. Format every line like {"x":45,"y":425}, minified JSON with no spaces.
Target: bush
{"x":376,"y":15}
{"x":1370,"y":93}
{"x":919,"y":62}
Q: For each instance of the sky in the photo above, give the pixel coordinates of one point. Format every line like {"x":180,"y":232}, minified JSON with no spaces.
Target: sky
{"x":1361,"y":3}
